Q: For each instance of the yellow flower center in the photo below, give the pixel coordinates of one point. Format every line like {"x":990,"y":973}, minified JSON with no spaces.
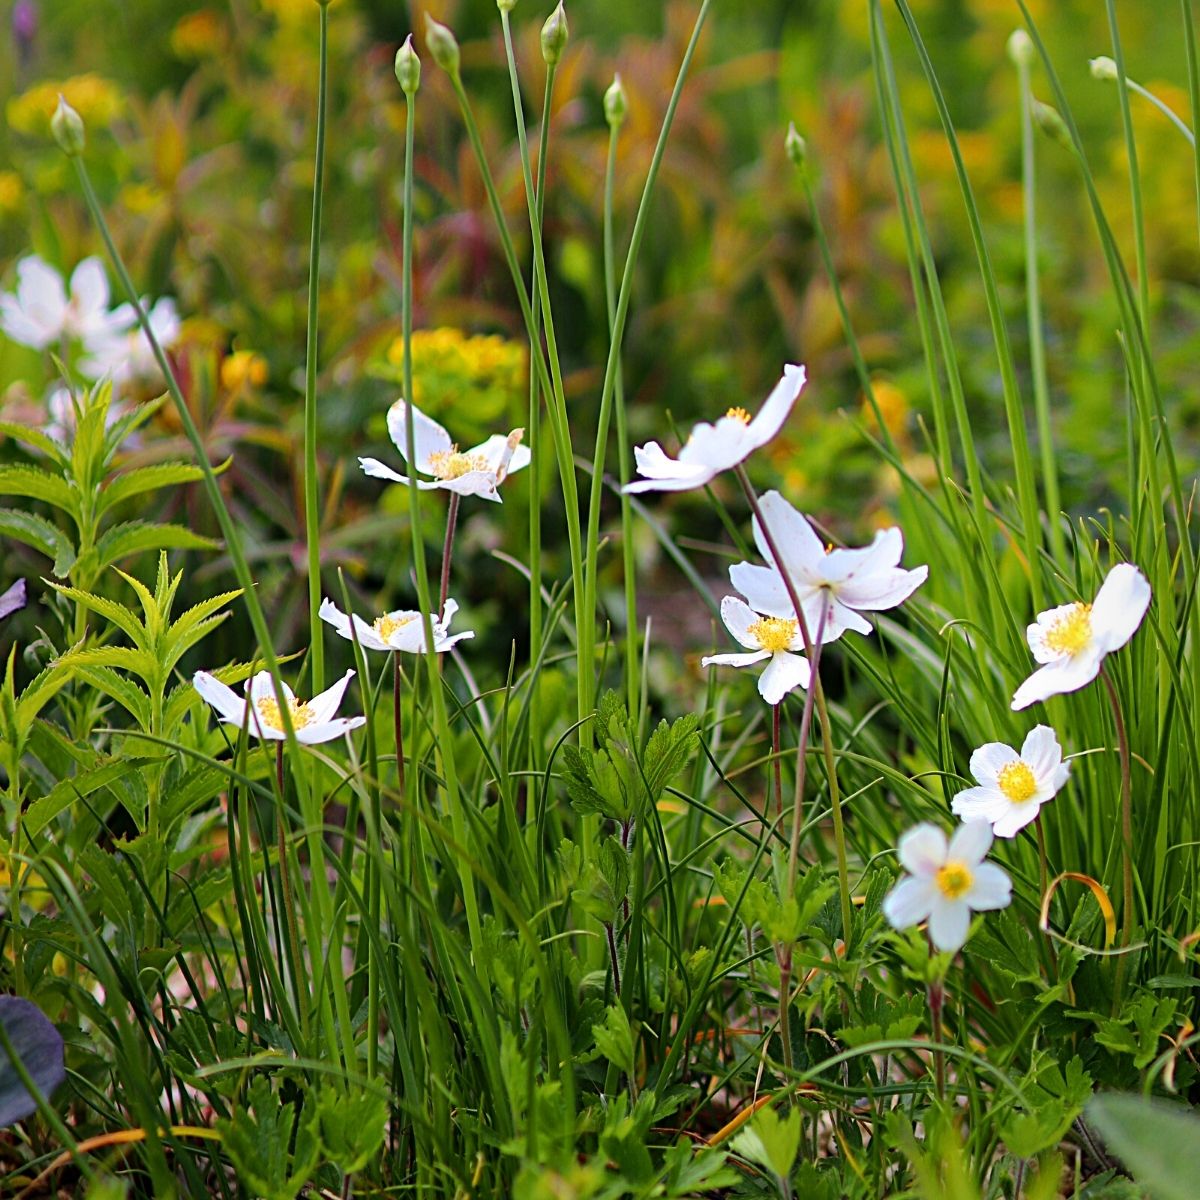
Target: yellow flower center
{"x":954,"y":880}
{"x":1016,"y":781}
{"x":269,"y":715}
{"x":1072,"y":631}
{"x":739,"y":414}
{"x":453,"y":463}
{"x":386,"y":626}
{"x":774,"y":633}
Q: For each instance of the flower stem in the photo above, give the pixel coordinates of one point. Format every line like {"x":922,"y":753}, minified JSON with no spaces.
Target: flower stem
{"x":613,"y":958}
{"x":936,"y":995}
{"x":447,"y":552}
{"x":1126,"y":824}
{"x":398,"y":720}
{"x":776,"y":765}
{"x":285,"y":882}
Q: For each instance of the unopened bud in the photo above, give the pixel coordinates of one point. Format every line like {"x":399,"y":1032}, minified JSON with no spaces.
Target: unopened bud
{"x":1103,"y":68}
{"x":554,"y":35}
{"x":1020,"y":48}
{"x":615,"y":106}
{"x":442,"y":45}
{"x":1050,"y":122}
{"x":67,"y":127}
{"x":795,"y":145}
{"x":408,"y":68}
{"x":506,"y":6}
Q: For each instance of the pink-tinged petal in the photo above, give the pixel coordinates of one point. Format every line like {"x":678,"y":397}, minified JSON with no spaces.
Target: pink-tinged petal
{"x":803,"y":554}
{"x":1119,"y":606}
{"x":1057,"y":678}
{"x":990,"y":759}
{"x":429,"y":438}
{"x":324,"y":705}
{"x":734,"y":660}
{"x":739,"y":617}
{"x":992,"y":889}
{"x":327,"y":731}
{"x":763,"y":587}
{"x":89,"y":290}
{"x":839,"y":619}
{"x":922,"y":850}
{"x":1041,"y":751}
{"x":784,"y":673}
{"x":230,"y":707}
{"x":969,"y":843}
{"x":1009,"y":823}
{"x":769,"y":419}
{"x":979,"y":804}
{"x":909,"y":902}
{"x":950,"y":920}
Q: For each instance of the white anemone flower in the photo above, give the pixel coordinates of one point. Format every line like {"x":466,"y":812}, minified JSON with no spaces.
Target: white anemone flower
{"x":312,"y":720}
{"x":713,"y":448}
{"x":400,"y":630}
{"x":774,"y":640}
{"x":946,"y":882}
{"x":122,"y":354}
{"x":1012,"y":787}
{"x":41,"y":312}
{"x":476,"y":472}
{"x":836,"y":585}
{"x":1072,"y":639}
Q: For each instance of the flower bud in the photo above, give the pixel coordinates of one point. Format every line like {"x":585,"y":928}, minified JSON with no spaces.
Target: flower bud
{"x":408,"y":68}
{"x":615,"y":107}
{"x":795,"y":145}
{"x":67,"y":127}
{"x":1020,"y":48}
{"x":1050,"y":122}
{"x":1103,"y":68}
{"x":442,"y":45}
{"x":506,"y":6}
{"x":554,"y":35}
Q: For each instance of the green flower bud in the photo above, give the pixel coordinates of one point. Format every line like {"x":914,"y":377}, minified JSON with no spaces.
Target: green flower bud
{"x":795,"y":145}
{"x":1020,"y":48}
{"x":506,"y":6}
{"x":615,"y":107}
{"x":408,"y":68}
{"x":1103,"y":68}
{"x":442,"y":45}
{"x":1050,"y":122}
{"x":67,"y":127}
{"x":554,"y":35}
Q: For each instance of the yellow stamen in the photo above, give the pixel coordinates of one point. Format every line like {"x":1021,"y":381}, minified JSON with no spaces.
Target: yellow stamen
{"x":774,"y":633}
{"x":1016,"y":781}
{"x":270,"y":716}
{"x":954,"y":880}
{"x":386,"y":626}
{"x":1072,"y":631}
{"x":739,"y":414}
{"x":453,"y":463}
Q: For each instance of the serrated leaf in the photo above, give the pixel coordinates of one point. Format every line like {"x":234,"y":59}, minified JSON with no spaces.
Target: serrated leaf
{"x":36,"y":484}
{"x":42,"y":811}
{"x":41,"y":534}
{"x":614,"y":1038}
{"x":146,"y":479}
{"x":29,"y":436}
{"x":136,"y":537}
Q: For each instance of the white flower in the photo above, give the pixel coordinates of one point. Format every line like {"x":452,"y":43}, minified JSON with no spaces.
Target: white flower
{"x":946,"y":883}
{"x":1012,"y":787}
{"x":1072,"y":639}
{"x":773,"y":638}
{"x":41,"y":313}
{"x":841,"y":583}
{"x":399,"y":630}
{"x":312,"y":721}
{"x":122,"y":354}
{"x":475,"y":472}
{"x":711,"y":449}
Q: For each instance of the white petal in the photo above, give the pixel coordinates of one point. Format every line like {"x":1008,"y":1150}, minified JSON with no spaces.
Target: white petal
{"x":980,"y":804}
{"x":22,"y":328}
{"x":1041,"y":752}
{"x":718,"y":446}
{"x":922,"y":850}
{"x":763,"y":587}
{"x":663,"y":473}
{"x":323,"y":706}
{"x":735,"y":660}
{"x":1119,"y":606}
{"x":882,"y":590}
{"x":429,"y":437}
{"x":969,"y":843}
{"x":776,"y":407}
{"x":473,"y":483}
{"x":988,"y":760}
{"x":442,"y":644}
{"x":1010,"y":822}
{"x":949,"y":921}
{"x":909,"y":902}
{"x":41,"y":296}
{"x":783,"y":674}
{"x":89,"y":290}
{"x":739,"y":617}
{"x":326,"y":731}
{"x":332,"y":615}
{"x":368,"y":639}
{"x":1035,"y":634}
{"x":799,"y":545}
{"x":222,"y":697}
{"x":992,"y":888}
{"x":262,"y":687}
{"x":864,"y":562}
{"x":377,"y":470}
{"x":1056,"y":678}
{"x":839,"y":619}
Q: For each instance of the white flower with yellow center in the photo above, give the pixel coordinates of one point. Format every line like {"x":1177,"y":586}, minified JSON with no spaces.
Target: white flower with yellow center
{"x":476,"y":472}
{"x":713,"y":448}
{"x":767,"y":638}
{"x":42,"y":311}
{"x":946,"y":882}
{"x":1012,"y":787}
{"x":1072,"y":639}
{"x":312,"y":720}
{"x":834,"y":587}
{"x":399,"y":630}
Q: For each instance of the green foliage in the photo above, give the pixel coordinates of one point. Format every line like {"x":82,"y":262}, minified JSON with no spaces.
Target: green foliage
{"x":1158,"y":1142}
{"x":259,"y":1138}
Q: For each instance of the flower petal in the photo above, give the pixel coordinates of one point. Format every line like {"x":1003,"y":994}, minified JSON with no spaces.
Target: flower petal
{"x":429,"y":437}
{"x":775,"y":408}
{"x":1119,"y":606}
{"x":326,"y":731}
{"x":992,"y":888}
{"x":969,"y":843}
{"x":1056,"y":678}
{"x":1041,"y":751}
{"x":922,"y":850}
{"x":326,"y":704}
{"x":980,"y":804}
{"x":783,"y":674}
{"x":663,"y":473}
{"x":224,"y":699}
{"x":763,"y":587}
{"x":950,"y":920}
{"x":739,"y":617}
{"x":989,"y":759}
{"x":735,"y":660}
{"x":261,"y":687}
{"x":473,"y":483}
{"x":909,"y":902}
{"x":89,"y":291}
{"x":802,"y":551}
{"x":1010,"y":822}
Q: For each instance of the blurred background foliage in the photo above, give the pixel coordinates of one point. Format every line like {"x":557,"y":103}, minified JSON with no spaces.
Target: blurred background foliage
{"x":200,"y":122}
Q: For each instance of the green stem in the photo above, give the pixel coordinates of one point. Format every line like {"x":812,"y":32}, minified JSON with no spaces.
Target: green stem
{"x":1127,"y":914}
{"x":14,"y":874}
{"x":448,"y":552}
{"x":285,"y":887}
{"x":312,"y":512}
{"x":398,"y":718}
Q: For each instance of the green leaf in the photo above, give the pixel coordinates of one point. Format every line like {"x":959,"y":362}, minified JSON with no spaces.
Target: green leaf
{"x":1159,"y":1143}
{"x":36,"y":484}
{"x":146,"y":479}
{"x":41,"y":534}
{"x":40,"y":441}
{"x":135,"y":537}
{"x":771,"y":1141}
{"x":60,"y":797}
{"x":352,"y":1125}
{"x":614,"y":1038}
{"x":258,"y":1140}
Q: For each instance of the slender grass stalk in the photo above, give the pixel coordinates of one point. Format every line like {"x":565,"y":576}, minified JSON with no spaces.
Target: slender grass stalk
{"x":312,"y":502}
{"x":398,"y":714}
{"x":1127,"y":914}
{"x":448,"y":551}
{"x":1193,"y":71}
{"x":285,"y":886}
